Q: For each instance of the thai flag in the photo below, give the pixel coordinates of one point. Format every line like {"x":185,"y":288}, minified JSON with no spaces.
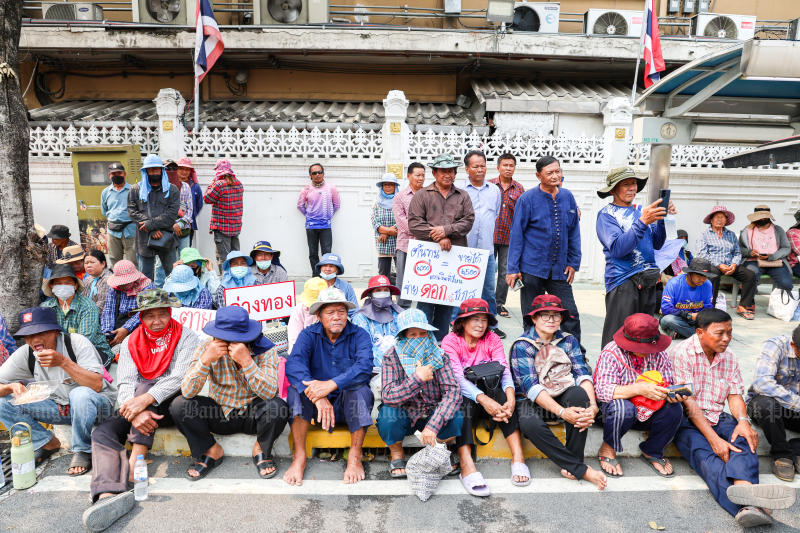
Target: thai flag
{"x":651,"y":41}
{"x":208,"y":41}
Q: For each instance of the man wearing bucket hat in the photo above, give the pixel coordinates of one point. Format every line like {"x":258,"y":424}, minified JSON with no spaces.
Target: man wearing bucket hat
{"x":630,"y":382}
{"x":329,"y":371}
{"x":153,"y":204}
{"x":378,"y":317}
{"x":318,"y":202}
{"x":71,"y":366}
{"x":120,"y":229}
{"x":201,"y":267}
{"x":330,"y":269}
{"x":183,"y":284}
{"x":225,"y":195}
{"x":765,"y":248}
{"x":235,"y":273}
{"x":240,"y":366}
{"x":686,"y":295}
{"x":630,"y":234}
{"x":441,"y":213}
{"x":73,"y":256}
{"x":268,"y":267}
{"x":384,"y":224}
{"x":59,"y":236}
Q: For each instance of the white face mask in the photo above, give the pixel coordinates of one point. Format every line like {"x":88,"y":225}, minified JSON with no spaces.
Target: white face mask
{"x":381,"y":294}
{"x":327,"y":277}
{"x":239,"y":272}
{"x":64,"y":292}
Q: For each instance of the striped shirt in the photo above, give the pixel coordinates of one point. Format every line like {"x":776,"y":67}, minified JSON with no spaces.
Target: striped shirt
{"x":778,"y":373}
{"x":793,"y":234}
{"x":384,"y":217}
{"x":723,"y":250}
{"x":610,"y":373}
{"x":502,"y":226}
{"x":233,"y":388}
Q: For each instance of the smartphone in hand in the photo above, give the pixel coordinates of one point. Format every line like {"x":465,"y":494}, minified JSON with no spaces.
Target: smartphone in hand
{"x":517,"y":285}
{"x":664,"y":195}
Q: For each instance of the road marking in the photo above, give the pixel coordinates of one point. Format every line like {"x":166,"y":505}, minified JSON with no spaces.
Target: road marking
{"x":332,"y":487}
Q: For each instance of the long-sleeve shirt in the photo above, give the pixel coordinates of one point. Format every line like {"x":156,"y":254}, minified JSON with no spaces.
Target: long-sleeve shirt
{"x":348,"y":361}
{"x":429,"y":209}
{"x":157,"y":213}
{"x":784,"y":246}
{"x":383,"y":217}
{"x":318,"y":204}
{"x":114,"y":206}
{"x":719,"y":250}
{"x":126,"y":305}
{"x":778,"y":373}
{"x":489,"y":348}
{"x":187,"y":207}
{"x":679,"y":298}
{"x":5,"y":337}
{"x":97,"y":285}
{"x":502,"y":226}
{"x":793,"y":234}
{"x":628,"y":243}
{"x":299,"y":320}
{"x":545,"y":235}
{"x":523,"y":358}
{"x":438,"y":399}
{"x":400,"y":205}
{"x":233,"y":388}
{"x":486,"y":201}
{"x":204,"y":300}
{"x":376,"y":332}
{"x":82,"y":317}
{"x":197,"y":203}
{"x":610,"y":373}
{"x":227,"y":206}
{"x":167,"y":384}
{"x":349,"y":293}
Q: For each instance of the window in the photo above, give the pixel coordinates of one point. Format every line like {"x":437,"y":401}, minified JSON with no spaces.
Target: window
{"x":94,"y":173}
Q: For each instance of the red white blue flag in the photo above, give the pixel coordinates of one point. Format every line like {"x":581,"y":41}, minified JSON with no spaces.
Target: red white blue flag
{"x":208,"y":40}
{"x":653,"y":60}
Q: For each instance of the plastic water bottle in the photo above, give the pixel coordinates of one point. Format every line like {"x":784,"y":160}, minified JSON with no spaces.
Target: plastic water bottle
{"x":140,"y":479}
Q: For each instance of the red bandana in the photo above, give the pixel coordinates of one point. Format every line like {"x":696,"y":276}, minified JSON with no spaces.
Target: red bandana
{"x":152,"y":351}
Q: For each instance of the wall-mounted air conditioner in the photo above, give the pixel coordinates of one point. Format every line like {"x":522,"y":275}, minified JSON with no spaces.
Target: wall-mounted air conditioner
{"x":794,"y":30}
{"x":613,"y":22}
{"x":180,"y":12}
{"x":737,"y":27}
{"x":71,"y":11}
{"x":290,"y":11}
{"x":541,"y":17}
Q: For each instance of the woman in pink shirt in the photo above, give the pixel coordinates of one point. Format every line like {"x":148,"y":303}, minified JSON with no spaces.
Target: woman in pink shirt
{"x":471,"y":344}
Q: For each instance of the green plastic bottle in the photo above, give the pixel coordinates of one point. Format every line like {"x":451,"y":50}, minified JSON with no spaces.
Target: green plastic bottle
{"x":23,"y":464}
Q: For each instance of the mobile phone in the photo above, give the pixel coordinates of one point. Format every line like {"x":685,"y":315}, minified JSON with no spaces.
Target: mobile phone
{"x":517,"y":285}
{"x":684,"y":389}
{"x":664,"y":195}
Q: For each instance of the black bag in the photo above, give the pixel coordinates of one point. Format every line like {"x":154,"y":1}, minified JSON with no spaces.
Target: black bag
{"x":488,"y":377}
{"x":118,"y":226}
{"x":164,"y":244}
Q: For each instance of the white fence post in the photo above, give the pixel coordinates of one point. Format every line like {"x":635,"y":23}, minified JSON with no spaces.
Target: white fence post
{"x":169,"y":107}
{"x":395,"y":133}
{"x":617,"y":119}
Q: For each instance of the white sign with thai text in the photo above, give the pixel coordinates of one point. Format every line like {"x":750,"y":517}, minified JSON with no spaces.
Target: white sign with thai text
{"x":194,"y":319}
{"x":264,"y":302}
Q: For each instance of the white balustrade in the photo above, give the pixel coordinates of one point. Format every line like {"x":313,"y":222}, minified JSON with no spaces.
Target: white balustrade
{"x":54,"y":142}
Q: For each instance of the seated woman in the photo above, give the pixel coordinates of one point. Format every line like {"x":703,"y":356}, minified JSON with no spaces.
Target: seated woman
{"x":419,"y":391}
{"x":473,"y":343}
{"x":201,"y":267}
{"x":765,"y":248}
{"x":152,"y":363}
{"x":119,"y":319}
{"x":553,"y":383}
{"x":95,"y":283}
{"x":268,"y":267}
{"x":235,"y":273}
{"x":183,"y":284}
{"x":622,"y":380}
{"x":330,"y":268}
{"x":241,"y":367}
{"x":76,"y":313}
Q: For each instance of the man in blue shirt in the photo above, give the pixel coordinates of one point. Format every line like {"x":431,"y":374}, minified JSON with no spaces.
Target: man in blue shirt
{"x":630,"y":234}
{"x":120,"y":229}
{"x":545,"y":244}
{"x":685,"y":296}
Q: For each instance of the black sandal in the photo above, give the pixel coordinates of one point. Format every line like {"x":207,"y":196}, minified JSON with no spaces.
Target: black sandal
{"x":397,"y":464}
{"x":203,"y":469}
{"x":43,"y":455}
{"x":80,"y":460}
{"x":455,"y":463}
{"x":261,"y":461}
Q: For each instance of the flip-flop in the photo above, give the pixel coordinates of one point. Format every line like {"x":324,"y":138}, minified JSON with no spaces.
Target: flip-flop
{"x":396,"y":464}
{"x":747,"y":315}
{"x":106,"y":511}
{"x":261,"y":461}
{"x":475,"y":485}
{"x":80,"y":460}
{"x":652,"y":462}
{"x":766,"y":496}
{"x":520,"y":470}
{"x":611,"y":462}
{"x":43,"y":455}
{"x":203,"y":470}
{"x":502,"y":311}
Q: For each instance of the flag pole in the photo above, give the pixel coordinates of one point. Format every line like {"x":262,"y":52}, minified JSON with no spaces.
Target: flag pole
{"x":639,"y":55}
{"x":196,"y":105}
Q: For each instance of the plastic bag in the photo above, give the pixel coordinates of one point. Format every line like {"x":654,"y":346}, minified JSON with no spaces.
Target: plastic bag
{"x":722,"y":302}
{"x":783,"y":304}
{"x":426,"y":468}
{"x":796,"y":316}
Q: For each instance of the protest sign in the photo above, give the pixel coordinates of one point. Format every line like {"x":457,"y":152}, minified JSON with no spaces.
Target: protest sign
{"x":264,"y":302}
{"x":192,"y":318}
{"x":446,"y":278}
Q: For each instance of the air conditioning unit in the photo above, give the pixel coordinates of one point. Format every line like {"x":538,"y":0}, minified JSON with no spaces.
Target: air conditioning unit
{"x":178,"y":12}
{"x":541,"y":17}
{"x":617,"y":22}
{"x":71,"y":11}
{"x":737,"y":27}
{"x":290,"y":11}
{"x":794,"y":30}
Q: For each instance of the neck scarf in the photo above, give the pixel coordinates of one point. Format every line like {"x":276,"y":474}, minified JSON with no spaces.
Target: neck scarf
{"x":135,"y":287}
{"x":385,"y":200}
{"x":145,"y":188}
{"x":152,"y":351}
{"x":380,"y":309}
{"x":188,"y":298}
{"x":229,"y":281}
{"x":423,"y":350}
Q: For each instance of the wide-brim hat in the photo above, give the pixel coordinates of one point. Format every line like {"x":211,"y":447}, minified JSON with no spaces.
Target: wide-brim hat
{"x":182,"y":279}
{"x":152,"y":161}
{"x":233,"y":324}
{"x":61,"y":271}
{"x":547,"y":302}
{"x":59,"y":231}
{"x":71,"y":254}
{"x":124,"y":272}
{"x":233,"y":255}
{"x":640,"y":334}
{"x":311,"y":289}
{"x":412,"y":318}
{"x":332,"y":259}
{"x":155,"y":299}
{"x":380,"y":282}
{"x":760,"y":212}
{"x":35,"y":320}
{"x":720,"y":209}
{"x":264,"y":246}
{"x":328,"y":296}
{"x":190,"y":255}
{"x":701,"y":266}
{"x":474,"y":306}
{"x":616,"y":176}
{"x":387,"y":178}
{"x":444,"y":161}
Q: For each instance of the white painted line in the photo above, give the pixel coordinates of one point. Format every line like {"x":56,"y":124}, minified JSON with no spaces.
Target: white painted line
{"x":333,"y":487}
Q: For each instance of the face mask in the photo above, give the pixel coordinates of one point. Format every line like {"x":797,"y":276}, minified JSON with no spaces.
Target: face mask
{"x":327,"y":277}
{"x":263,"y":265}
{"x":155,"y":181}
{"x":684,"y":244}
{"x":117,"y":180}
{"x":239,"y":272}
{"x":64,"y":292}
{"x":381,"y":294}
{"x":381,"y":303}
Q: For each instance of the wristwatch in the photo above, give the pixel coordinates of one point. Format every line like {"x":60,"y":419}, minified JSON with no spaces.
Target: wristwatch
{"x":745,"y":418}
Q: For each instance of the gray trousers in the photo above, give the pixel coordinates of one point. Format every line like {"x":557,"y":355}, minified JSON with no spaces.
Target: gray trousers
{"x":120,"y":248}
{"x":400,"y":265}
{"x":501,"y":289}
{"x":225,"y":244}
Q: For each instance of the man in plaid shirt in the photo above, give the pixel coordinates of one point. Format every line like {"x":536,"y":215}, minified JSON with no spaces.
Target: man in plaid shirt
{"x":721,"y":447}
{"x":225,"y":195}
{"x":773,"y":400}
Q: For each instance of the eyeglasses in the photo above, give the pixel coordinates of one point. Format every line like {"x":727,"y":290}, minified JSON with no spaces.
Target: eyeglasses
{"x":317,"y":173}
{"x":551,"y":317}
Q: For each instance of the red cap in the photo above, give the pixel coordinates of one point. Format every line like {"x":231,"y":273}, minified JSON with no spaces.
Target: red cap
{"x":377,"y":282}
{"x":475,"y":306}
{"x":546,"y":302}
{"x":640,"y":334}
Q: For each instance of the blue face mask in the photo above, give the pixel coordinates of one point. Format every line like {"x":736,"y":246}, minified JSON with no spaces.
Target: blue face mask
{"x":263,"y":265}
{"x":239,"y":272}
{"x":327,"y":277}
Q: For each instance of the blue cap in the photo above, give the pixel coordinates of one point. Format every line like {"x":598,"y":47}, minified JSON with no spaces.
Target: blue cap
{"x":37,"y":320}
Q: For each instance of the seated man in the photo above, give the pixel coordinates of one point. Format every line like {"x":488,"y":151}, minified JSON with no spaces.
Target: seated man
{"x":329,"y":371}
{"x":721,"y":447}
{"x":686,"y":295}
{"x":774,"y":401}
{"x":637,"y":351}
{"x":241,"y":366}
{"x":50,"y":354}
{"x":268,"y":267}
{"x":419,"y":390}
{"x":152,"y":362}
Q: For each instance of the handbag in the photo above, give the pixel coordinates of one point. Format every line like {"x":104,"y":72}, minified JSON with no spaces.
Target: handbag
{"x":645,"y":407}
{"x":488,"y":377}
{"x":775,"y":263}
{"x":118,"y":226}
{"x":163,"y":244}
{"x":783,"y":304}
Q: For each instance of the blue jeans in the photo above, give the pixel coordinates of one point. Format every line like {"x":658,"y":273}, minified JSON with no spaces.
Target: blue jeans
{"x":781,"y":276}
{"x":394,"y":425}
{"x":683,"y":327}
{"x":85,"y":408}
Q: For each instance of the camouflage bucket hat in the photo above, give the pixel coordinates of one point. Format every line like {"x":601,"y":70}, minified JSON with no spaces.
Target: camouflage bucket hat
{"x":618,"y":175}
{"x":444,"y":161}
{"x":155,"y":299}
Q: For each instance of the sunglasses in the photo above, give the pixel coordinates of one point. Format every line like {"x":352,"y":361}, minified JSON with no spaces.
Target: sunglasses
{"x":317,"y":173}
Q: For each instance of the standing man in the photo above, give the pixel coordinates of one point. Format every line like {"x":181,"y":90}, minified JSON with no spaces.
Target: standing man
{"x":443,"y":214}
{"x":486,"y":199}
{"x":510,"y":191}
{"x":630,"y":234}
{"x":224,"y":194}
{"x":545,"y":244}
{"x":318,"y":201}
{"x":114,"y":206}
{"x":402,"y":201}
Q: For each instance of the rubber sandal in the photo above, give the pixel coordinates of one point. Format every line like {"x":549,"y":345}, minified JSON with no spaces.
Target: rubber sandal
{"x":610,"y":461}
{"x":455,"y":463}
{"x":203,"y":470}
{"x":106,"y":511}
{"x":752,"y":517}
{"x":652,"y":462}
{"x":395,"y":465}
{"x":261,"y":461}
{"x":766,"y":496}
{"x":43,"y":455}
{"x":747,"y":315}
{"x":521,"y":470}
{"x":80,"y":460}
{"x":502,"y":311}
{"x":475,"y":485}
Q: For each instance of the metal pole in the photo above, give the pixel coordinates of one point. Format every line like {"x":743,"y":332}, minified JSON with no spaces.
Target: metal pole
{"x":660,"y":155}
{"x":639,"y":55}
{"x":196,"y":127}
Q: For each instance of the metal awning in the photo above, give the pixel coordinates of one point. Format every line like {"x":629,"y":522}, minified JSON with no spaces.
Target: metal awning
{"x":546,"y":96}
{"x":771,"y":154}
